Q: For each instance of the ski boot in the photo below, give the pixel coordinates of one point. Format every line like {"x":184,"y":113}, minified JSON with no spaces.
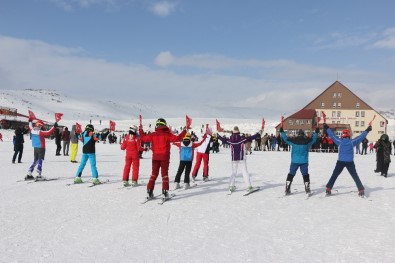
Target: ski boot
{"x":249,"y":189}
{"x":165,"y":194}
{"x":150,"y":194}
{"x":288,"y":187}
{"x":39,"y":178}
{"x":193,"y":179}
{"x":187,"y":186}
{"x":95,"y":181}
{"x":29,"y":177}
{"x":126,"y":183}
{"x":134,"y":183}
{"x":205,"y":178}
{"x":361,"y":193}
{"x":307,"y":187}
{"x":232,"y":188}
{"x":78,"y":180}
{"x":328,"y":191}
{"x":177,"y":186}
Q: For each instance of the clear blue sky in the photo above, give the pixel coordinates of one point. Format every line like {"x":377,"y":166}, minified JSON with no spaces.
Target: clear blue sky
{"x":237,"y":54}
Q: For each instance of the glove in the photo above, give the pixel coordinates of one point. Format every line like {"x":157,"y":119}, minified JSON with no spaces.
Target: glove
{"x":317,"y":130}
{"x":56,"y":125}
{"x":369,"y":129}
{"x":281,"y":129}
{"x":326,"y":126}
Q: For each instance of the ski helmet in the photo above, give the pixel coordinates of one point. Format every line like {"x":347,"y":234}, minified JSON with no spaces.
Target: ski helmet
{"x":39,"y":123}
{"x":160,"y":122}
{"x":346,"y":134}
{"x":89,"y":127}
{"x":133,"y":129}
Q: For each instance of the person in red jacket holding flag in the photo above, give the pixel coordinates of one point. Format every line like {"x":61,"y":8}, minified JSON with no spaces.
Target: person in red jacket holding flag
{"x":160,"y":140}
{"x":131,"y":143}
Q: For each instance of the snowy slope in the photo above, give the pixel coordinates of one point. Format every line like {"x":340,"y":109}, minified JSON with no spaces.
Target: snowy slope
{"x":52,"y":222}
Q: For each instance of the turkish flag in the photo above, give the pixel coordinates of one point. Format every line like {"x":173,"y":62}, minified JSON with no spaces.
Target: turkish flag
{"x":374,"y":117}
{"x":218,"y":126}
{"x":58,"y":116}
{"x":32,"y":116}
{"x":318,"y":120}
{"x":78,"y":128}
{"x":112,"y":125}
{"x":188,"y":121}
{"x":263,"y":124}
{"x":208,"y":131}
{"x":324,"y":116}
{"x":282,"y":121}
{"x":141,"y":120}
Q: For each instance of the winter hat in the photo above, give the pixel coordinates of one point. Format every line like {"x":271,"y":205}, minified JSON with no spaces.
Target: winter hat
{"x":236,"y":129}
{"x":160,"y":122}
{"x":346,"y":134}
{"x":39,"y":123}
{"x":384,"y":137}
{"x":301,"y":132}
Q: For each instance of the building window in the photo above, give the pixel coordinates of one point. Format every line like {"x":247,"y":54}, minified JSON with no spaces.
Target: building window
{"x":334,"y":105}
{"x":362,"y":114}
{"x":357,"y":114}
{"x":338,"y":122}
{"x":333,"y":114}
{"x":301,"y":122}
{"x":362,"y":123}
{"x":339,"y":104}
{"x":356,"y":123}
{"x":308,"y":122}
{"x":339,"y":113}
{"x":339,"y":94}
{"x":381,"y":124}
{"x":297,"y":122}
{"x":357,"y":105}
{"x":322,"y":104}
{"x":291,"y":122}
{"x":334,"y":94}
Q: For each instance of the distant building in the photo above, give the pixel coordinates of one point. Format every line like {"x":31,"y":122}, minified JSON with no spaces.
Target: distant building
{"x":343,"y":110}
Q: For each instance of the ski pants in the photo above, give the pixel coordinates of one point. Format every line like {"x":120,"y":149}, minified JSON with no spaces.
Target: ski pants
{"x":39,"y":154}
{"x":18,"y":151}
{"x":243,"y":165}
{"x":199,"y":158}
{"x":351,"y":169}
{"x":129,"y":161}
{"x":187,"y":165}
{"x":163,"y":166}
{"x":84,"y":159}
{"x":74,"y":150}
{"x":66,"y":145}
{"x":304,"y":168}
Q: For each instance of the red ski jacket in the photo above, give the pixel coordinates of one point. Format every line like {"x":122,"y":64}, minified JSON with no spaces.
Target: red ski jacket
{"x":132,"y":145}
{"x":160,"y":140}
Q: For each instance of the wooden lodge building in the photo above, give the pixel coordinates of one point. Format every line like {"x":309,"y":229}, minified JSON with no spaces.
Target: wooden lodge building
{"x":343,"y":110}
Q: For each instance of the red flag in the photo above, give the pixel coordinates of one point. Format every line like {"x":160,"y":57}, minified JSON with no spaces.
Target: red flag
{"x":208,"y":131}
{"x":112,"y":125}
{"x":374,"y":117}
{"x":318,"y":120}
{"x":188,"y":121}
{"x":218,"y":126}
{"x":282,"y":121}
{"x":141,"y":120}
{"x":324,"y":116}
{"x":78,"y":128}
{"x":32,"y":116}
{"x":263,"y":124}
{"x":58,"y":116}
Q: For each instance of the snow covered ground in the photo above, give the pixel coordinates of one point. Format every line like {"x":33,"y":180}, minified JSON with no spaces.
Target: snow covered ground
{"x":52,"y":222}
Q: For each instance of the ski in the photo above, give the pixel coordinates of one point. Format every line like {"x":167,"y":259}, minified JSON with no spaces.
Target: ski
{"x":190,"y":187}
{"x":164,"y":200}
{"x":105,"y":182}
{"x":150,"y":199}
{"x":255,"y":189}
{"x":42,"y":180}
{"x":308,"y":195}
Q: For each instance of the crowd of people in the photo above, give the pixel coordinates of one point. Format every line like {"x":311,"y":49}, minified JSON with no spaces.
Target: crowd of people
{"x":160,"y":140}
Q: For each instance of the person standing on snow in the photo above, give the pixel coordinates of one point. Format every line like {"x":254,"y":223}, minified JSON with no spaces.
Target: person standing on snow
{"x":131,"y":143}
{"x":383,"y":155}
{"x":346,"y":157}
{"x":203,"y":153}
{"x":89,"y":139}
{"x":238,"y":154}
{"x":187,"y":148}
{"x":300,"y":147}
{"x":160,"y":140}
{"x":18,"y":143}
{"x":38,"y":143}
{"x":66,"y":141}
{"x":73,"y":143}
